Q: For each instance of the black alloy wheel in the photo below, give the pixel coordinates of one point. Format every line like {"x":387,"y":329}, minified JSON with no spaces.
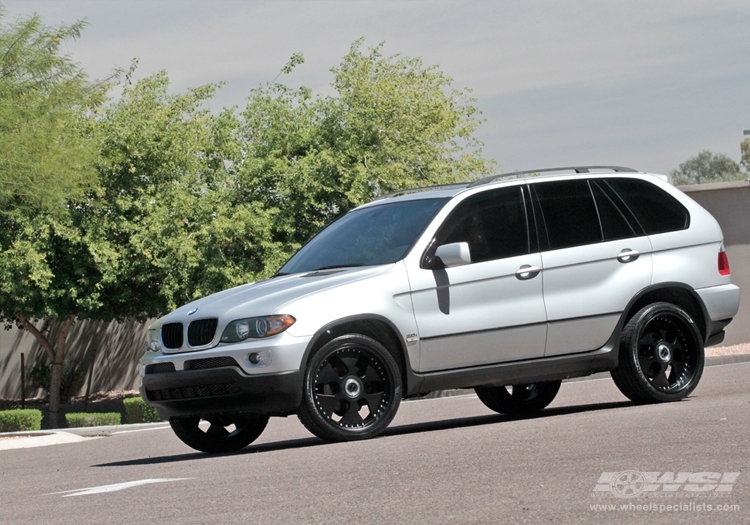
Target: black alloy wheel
{"x":661,"y":355}
{"x":352,"y":389}
{"x":518,"y":399}
{"x":223,"y":433}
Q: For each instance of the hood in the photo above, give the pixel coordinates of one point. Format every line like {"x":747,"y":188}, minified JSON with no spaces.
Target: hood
{"x":268,"y":297}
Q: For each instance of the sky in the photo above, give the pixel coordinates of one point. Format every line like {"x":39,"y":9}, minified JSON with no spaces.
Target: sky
{"x":643,"y":84}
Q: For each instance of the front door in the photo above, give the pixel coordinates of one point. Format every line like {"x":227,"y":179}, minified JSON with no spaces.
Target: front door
{"x":491,"y":310}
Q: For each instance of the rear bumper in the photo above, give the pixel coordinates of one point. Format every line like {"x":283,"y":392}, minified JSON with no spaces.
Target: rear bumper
{"x":200,"y":393}
{"x":721,"y":303}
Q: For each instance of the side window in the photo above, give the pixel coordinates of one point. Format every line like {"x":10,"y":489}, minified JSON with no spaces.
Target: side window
{"x":493,"y":223}
{"x":655,"y":209}
{"x":614,"y":224}
{"x":569,"y":213}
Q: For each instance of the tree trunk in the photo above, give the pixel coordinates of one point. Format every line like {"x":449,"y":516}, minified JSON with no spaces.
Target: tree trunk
{"x":57,"y":353}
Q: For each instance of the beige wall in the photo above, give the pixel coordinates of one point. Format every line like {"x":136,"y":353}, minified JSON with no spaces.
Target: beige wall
{"x":118,"y":346}
{"x":729,"y":202}
{"x":114,"y":347}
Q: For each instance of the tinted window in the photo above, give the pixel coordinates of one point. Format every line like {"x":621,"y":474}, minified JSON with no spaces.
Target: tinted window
{"x":569,"y":213}
{"x":493,"y":223}
{"x":655,"y":209}
{"x":614,"y":224}
{"x":379,"y":234}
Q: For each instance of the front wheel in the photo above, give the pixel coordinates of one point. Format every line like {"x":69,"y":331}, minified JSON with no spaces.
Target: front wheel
{"x":661,"y":355}
{"x":518,"y":399}
{"x":220,"y":433}
{"x":352,"y":389}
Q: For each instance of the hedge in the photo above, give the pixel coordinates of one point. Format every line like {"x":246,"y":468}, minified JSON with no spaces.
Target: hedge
{"x":84,"y":419}
{"x":138,"y":411}
{"x":20,"y":420}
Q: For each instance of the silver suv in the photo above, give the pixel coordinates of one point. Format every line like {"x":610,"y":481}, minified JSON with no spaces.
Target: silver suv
{"x":507,"y":285}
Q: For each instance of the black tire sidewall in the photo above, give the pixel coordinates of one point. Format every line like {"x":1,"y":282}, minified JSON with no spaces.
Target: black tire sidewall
{"x":634,"y":330}
{"x":318,"y":423}
{"x":497,"y":398}
{"x":187,"y":430}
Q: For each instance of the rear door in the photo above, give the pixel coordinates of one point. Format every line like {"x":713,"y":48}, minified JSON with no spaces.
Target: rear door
{"x":594,"y":261}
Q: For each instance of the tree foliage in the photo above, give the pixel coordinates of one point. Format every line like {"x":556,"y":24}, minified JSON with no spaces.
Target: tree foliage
{"x":392,"y":124}
{"x":46,"y":159}
{"x":706,"y":167}
{"x":44,"y":155}
{"x":171,"y":218}
{"x":745,"y":151}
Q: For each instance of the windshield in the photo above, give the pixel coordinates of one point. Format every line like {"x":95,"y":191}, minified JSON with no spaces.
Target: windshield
{"x":374,"y":235}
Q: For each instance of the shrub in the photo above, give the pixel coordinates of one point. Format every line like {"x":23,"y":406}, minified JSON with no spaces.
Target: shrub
{"x":84,"y":419}
{"x":18,"y":420}
{"x":138,"y":411}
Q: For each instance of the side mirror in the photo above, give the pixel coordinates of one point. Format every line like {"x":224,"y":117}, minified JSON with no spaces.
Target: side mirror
{"x":454,"y":254}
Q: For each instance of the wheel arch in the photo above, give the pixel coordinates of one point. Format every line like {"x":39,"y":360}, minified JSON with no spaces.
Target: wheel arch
{"x":678,"y":294}
{"x":371,"y":325}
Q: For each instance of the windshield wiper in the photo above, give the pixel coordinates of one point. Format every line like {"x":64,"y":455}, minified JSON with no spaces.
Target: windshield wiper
{"x":332,"y":266}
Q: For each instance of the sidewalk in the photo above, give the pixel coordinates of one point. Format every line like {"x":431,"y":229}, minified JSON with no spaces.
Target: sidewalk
{"x":43,"y":438}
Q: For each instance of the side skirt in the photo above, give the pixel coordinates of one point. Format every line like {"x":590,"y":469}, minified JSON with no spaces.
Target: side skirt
{"x":521,"y":372}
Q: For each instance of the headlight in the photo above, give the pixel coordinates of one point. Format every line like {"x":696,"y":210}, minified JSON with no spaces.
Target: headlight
{"x":153,"y":343}
{"x":256,"y":327}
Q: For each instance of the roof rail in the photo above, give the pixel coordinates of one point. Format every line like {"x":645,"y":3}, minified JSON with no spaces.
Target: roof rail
{"x":423,"y":188}
{"x":577,"y":169}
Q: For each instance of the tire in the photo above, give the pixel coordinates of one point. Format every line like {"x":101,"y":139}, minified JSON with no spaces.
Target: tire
{"x":661,"y":355}
{"x":218,"y":438}
{"x":352,"y":389}
{"x":521,"y":399}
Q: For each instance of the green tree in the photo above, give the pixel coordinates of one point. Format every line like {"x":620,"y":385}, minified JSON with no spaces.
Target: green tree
{"x":745,"y":151}
{"x":171,"y":214}
{"x":392,"y":124}
{"x":162,"y":226}
{"x":705,"y":168}
{"x":44,"y":156}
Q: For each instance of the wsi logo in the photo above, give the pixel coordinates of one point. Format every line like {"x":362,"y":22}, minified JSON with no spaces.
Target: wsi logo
{"x":632,"y":483}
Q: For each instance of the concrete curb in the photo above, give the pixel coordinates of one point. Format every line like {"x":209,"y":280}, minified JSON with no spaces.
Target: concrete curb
{"x":15,"y":440}
{"x":43,"y":438}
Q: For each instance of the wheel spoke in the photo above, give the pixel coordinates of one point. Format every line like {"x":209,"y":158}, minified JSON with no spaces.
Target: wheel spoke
{"x":327,"y":375}
{"x":351,"y":416}
{"x":329,"y":404}
{"x":217,"y":430}
{"x":349,"y":365}
{"x":369,"y":374}
{"x":524,"y":392}
{"x":373,"y":401}
{"x":660,"y":380}
{"x":648,"y":359}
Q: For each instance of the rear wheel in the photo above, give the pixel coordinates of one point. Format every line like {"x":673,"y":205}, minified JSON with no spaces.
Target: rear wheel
{"x":352,"y":389}
{"x":518,"y":399}
{"x":661,"y":355}
{"x":220,"y":433}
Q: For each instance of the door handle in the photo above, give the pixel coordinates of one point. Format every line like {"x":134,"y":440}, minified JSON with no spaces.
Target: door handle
{"x":627,"y":255}
{"x":527,"y":272}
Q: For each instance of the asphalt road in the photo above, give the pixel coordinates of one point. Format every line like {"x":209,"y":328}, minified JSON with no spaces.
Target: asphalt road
{"x":442,"y":461}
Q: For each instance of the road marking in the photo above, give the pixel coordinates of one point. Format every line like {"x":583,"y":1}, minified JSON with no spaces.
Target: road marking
{"x":113,"y":488}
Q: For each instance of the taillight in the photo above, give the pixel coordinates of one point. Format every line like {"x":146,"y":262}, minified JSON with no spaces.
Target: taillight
{"x":723,"y":263}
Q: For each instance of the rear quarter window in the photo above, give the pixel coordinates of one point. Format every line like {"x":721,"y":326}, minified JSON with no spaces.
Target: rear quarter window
{"x":655,"y":210}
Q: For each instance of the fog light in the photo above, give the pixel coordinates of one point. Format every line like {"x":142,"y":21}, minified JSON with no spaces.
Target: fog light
{"x":258,"y":359}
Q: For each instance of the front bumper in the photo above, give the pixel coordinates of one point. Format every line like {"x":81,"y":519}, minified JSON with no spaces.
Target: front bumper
{"x":202,"y":393}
